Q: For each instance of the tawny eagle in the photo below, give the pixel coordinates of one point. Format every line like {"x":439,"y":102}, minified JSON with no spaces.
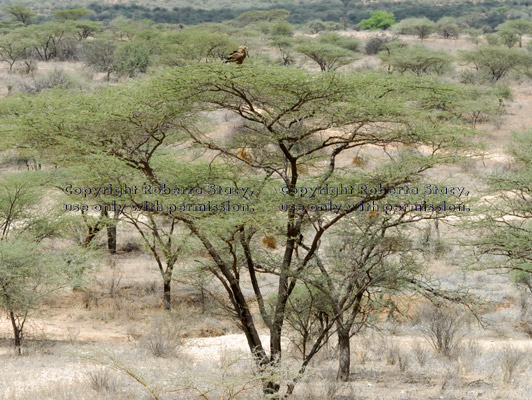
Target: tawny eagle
{"x":237,"y":56}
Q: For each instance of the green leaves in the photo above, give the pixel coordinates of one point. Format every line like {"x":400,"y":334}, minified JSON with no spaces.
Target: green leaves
{"x":379,"y":20}
{"x":417,"y":60}
{"x":496,"y":61}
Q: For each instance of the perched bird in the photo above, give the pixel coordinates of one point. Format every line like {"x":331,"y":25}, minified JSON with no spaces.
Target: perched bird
{"x":237,"y":56}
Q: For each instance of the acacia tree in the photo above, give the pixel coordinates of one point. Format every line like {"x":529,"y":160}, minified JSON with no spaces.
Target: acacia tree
{"x":119,"y":148}
{"x":296,"y":124}
{"x":496,"y":61}
{"x":13,"y":47}
{"x":29,"y":272}
{"x":48,"y":39}
{"x":506,"y":219}
{"x":328,"y":56}
{"x":21,"y":13}
{"x":372,"y":258}
{"x":288,"y":117}
{"x":448,"y":28}
{"x":421,"y":27}
{"x":518,"y":27}
{"x":417,"y":60}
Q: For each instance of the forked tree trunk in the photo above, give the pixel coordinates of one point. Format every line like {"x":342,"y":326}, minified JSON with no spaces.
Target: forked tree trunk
{"x":17,"y":333}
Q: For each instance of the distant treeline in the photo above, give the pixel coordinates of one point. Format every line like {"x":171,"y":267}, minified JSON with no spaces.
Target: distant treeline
{"x":487,"y":13}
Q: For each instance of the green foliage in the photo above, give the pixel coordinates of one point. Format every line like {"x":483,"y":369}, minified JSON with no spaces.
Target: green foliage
{"x":417,"y":60}
{"x":506,"y":224}
{"x":379,"y":20}
{"x":509,"y":37}
{"x":497,"y":62}
{"x":282,"y":28}
{"x":448,"y":28}
{"x":196,"y":44}
{"x":421,"y":27}
{"x":49,"y":40}
{"x":131,"y":59}
{"x":86,"y":29}
{"x":336,"y":39}
{"x":100,"y":54}
{"x":14,"y":46}
{"x":266,"y":15}
{"x":71,"y":14}
{"x":328,"y":56}
{"x":21,"y":13}
{"x":516,"y":27}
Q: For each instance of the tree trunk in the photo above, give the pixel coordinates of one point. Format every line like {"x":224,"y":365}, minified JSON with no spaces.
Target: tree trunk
{"x":17,"y":333}
{"x":91,"y":234}
{"x":344,"y":358}
{"x":167,"y":298}
{"x":111,"y":238}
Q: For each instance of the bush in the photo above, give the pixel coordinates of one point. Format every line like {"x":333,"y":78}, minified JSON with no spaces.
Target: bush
{"x":378,"y":20}
{"x":282,"y":28}
{"x":131,"y":59}
{"x":164,"y":336}
{"x":375,"y":44}
{"x":510,"y":359}
{"x":101,"y":380}
{"x":54,"y":79}
{"x":443,"y":328}
{"x":340,"y":41}
{"x":317,"y":26}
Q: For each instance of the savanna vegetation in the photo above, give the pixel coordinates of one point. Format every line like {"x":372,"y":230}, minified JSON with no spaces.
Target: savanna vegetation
{"x":345,"y":208}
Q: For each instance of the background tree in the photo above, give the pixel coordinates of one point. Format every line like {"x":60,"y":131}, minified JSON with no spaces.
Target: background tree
{"x":497,"y":62}
{"x":285,"y":46}
{"x":507,"y":37}
{"x":86,"y":29}
{"x":118,"y":147}
{"x":418,"y":60}
{"x":379,"y":20}
{"x":21,"y":13}
{"x":448,"y":28}
{"x":100,"y":54}
{"x":29,"y":272}
{"x":266,"y":15}
{"x":330,"y":51}
{"x":13,"y":47}
{"x":71,"y":14}
{"x":28,"y":275}
{"x":49,"y":38}
{"x":131,"y":59}
{"x":506,"y":226}
{"x":518,"y":27}
{"x":370,"y":262}
{"x":421,"y":27}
